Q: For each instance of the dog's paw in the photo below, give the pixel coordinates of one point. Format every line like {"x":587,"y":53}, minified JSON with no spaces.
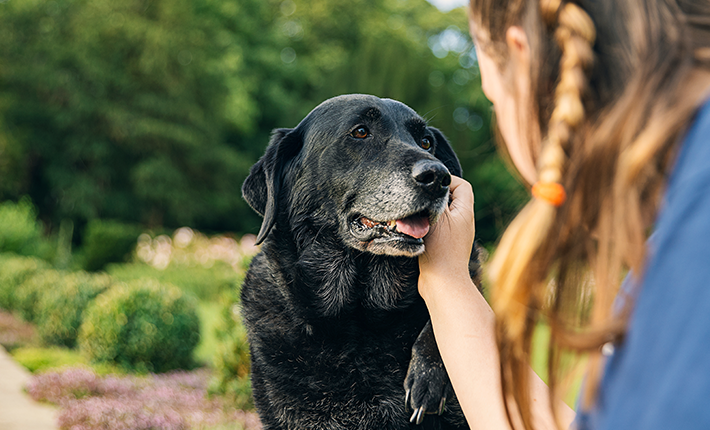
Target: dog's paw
{"x":427,"y":388}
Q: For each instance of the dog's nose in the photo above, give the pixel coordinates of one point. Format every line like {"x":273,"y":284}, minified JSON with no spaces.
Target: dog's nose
{"x":432,"y":176}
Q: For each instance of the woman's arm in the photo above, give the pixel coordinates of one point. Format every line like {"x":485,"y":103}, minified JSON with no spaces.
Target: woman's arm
{"x":464,"y":323}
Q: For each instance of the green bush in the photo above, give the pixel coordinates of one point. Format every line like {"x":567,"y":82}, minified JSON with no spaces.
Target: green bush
{"x":29,"y":293}
{"x":20,"y":232}
{"x":141,"y":325}
{"x":15,"y":270}
{"x":60,"y":310}
{"x":106,"y":242}
{"x":231,"y":362}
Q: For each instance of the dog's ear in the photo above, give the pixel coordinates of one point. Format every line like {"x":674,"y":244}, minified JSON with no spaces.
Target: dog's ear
{"x":445,"y":153}
{"x":262,"y":187}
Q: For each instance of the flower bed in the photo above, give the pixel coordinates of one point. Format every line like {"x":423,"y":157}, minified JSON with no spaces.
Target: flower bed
{"x":172,"y":401}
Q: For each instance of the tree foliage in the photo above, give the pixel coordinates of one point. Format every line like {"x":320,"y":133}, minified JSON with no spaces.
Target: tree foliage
{"x":152,"y":111}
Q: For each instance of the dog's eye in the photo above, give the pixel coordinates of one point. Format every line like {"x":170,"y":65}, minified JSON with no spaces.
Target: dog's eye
{"x":360,"y":132}
{"x":425,"y":143}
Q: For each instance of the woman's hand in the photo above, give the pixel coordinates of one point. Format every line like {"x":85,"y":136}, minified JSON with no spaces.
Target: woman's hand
{"x":448,"y":244}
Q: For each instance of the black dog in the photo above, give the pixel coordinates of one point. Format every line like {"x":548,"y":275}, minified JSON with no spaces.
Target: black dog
{"x":339,"y":336}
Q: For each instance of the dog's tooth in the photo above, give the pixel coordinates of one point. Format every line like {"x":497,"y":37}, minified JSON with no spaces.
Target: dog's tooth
{"x":367,"y":222}
{"x":392,"y":224}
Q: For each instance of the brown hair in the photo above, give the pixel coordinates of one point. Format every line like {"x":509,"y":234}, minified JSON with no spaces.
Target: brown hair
{"x":615,"y":83}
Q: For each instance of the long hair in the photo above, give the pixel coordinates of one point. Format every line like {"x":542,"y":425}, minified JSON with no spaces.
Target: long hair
{"x":614,"y":85}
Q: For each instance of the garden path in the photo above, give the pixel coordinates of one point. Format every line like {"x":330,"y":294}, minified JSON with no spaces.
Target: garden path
{"x":17,"y":410}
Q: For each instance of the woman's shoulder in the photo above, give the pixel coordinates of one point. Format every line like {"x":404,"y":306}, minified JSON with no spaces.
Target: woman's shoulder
{"x":658,"y":377}
{"x":679,"y":250}
{"x":692,"y":166}
{"x":663,"y":361}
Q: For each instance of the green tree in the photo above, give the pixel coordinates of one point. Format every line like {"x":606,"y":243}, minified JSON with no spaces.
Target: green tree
{"x":121,"y":109}
{"x":152,"y":111}
{"x":409,"y":51}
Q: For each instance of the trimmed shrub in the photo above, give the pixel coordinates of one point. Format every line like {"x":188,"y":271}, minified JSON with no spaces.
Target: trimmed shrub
{"x":107,"y":242}
{"x":60,"y":310}
{"x":29,"y":293}
{"x":14,"y":271}
{"x":142,"y":326}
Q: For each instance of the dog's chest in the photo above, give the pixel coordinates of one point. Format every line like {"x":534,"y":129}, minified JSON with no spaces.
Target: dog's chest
{"x":305,"y":364}
{"x":350,"y":381}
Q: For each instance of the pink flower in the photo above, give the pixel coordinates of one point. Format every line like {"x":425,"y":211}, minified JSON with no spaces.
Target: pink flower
{"x":171,"y":401}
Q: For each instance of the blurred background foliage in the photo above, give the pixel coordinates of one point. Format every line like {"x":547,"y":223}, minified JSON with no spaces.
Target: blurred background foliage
{"x":127,"y":128}
{"x":150,"y":112}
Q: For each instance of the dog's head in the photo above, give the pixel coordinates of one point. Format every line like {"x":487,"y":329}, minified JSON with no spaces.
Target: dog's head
{"x":369,"y":167}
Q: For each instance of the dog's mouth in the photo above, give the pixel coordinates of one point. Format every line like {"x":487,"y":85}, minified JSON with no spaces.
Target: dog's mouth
{"x":395,"y":233}
{"x":415,"y":226}
{"x":409,"y":229}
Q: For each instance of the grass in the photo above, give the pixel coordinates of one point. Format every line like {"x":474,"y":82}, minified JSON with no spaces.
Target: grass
{"x":539,"y":356}
{"x":210,"y":316}
{"x":41,"y":359}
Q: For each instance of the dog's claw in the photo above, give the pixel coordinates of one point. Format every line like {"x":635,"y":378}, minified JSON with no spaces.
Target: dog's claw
{"x":442,"y":404}
{"x":418,"y":416}
{"x":427,"y":386}
{"x":406,"y":397}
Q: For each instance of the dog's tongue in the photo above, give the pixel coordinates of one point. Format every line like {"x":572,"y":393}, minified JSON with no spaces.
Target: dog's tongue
{"x":417,"y":227}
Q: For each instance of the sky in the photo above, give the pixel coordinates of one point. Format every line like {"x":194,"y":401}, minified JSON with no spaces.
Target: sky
{"x":447,"y":5}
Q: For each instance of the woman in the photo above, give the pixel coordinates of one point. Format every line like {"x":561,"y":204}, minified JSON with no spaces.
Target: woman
{"x":601,"y":105}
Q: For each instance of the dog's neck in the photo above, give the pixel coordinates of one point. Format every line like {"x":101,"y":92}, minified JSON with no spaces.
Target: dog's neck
{"x":339,"y":280}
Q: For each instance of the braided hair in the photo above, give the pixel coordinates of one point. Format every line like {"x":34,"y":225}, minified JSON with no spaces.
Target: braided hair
{"x":614,"y":86}
{"x":574,"y":34}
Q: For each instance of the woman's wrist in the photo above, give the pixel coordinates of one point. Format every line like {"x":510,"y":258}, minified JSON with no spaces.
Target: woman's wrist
{"x":436,"y":284}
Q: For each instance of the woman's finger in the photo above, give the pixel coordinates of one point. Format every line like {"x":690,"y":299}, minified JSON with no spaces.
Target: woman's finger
{"x":461,"y":194}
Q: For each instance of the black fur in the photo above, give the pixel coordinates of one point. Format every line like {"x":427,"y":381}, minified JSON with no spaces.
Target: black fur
{"x":330,"y":305}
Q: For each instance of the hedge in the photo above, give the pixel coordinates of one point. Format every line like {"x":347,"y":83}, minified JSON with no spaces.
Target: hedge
{"x":143,"y":326}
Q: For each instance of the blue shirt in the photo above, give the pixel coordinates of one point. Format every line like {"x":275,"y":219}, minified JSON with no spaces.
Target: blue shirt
{"x":659,"y":378}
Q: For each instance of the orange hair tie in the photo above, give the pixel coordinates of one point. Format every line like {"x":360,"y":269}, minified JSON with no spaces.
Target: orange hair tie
{"x":551,"y":192}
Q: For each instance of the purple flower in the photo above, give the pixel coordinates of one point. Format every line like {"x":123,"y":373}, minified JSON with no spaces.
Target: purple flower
{"x":171,"y":401}
{"x":58,"y":387}
{"x":117,"y":414}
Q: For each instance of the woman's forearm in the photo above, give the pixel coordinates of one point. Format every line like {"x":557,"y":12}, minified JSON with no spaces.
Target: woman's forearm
{"x":464,"y":324}
{"x":464,"y":329}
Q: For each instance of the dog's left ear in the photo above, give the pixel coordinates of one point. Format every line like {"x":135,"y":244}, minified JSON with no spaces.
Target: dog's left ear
{"x":262,"y":187}
{"x":445,"y":153}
